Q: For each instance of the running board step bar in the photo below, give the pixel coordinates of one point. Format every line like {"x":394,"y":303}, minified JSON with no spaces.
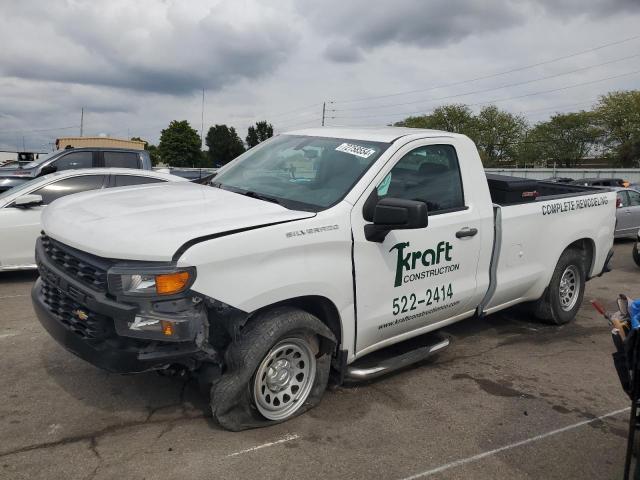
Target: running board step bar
{"x":366,"y":369}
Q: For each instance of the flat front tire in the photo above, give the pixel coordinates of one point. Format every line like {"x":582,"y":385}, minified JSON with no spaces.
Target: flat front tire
{"x":562,"y":298}
{"x":278,"y":369}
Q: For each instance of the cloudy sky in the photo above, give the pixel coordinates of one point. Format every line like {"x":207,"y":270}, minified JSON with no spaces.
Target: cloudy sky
{"x":136,"y":65}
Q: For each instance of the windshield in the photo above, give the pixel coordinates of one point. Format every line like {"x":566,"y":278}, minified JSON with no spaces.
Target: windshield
{"x":41,"y":159}
{"x":24,"y":186}
{"x":301,"y":172}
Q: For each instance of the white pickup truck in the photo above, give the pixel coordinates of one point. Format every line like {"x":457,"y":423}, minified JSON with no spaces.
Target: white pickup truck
{"x":305,"y":255}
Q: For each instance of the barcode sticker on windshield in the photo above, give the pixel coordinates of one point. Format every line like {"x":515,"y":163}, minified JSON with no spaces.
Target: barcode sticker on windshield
{"x":363,"y":152}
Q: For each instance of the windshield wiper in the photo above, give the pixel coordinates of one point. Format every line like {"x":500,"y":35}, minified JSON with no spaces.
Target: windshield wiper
{"x":259,"y":196}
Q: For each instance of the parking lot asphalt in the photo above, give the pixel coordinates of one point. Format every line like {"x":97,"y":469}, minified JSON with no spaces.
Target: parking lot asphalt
{"x":510,"y":398}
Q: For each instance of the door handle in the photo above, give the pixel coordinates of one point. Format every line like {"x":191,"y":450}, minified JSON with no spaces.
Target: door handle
{"x":466,"y":232}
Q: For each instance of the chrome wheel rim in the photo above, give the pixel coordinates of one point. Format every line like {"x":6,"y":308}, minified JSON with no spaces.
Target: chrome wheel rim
{"x":569,"y":288}
{"x":284,"y":379}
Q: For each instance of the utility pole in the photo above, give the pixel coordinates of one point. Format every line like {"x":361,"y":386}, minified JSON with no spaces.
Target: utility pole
{"x":81,"y":120}
{"x":202,"y":124}
{"x":324,"y":106}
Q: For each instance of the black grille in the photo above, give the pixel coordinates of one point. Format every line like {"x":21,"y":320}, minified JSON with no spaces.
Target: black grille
{"x":89,"y":269}
{"x":74,"y":316}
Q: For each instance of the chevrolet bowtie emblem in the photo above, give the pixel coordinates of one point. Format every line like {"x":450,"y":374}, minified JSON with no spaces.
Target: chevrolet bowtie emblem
{"x":80,"y":314}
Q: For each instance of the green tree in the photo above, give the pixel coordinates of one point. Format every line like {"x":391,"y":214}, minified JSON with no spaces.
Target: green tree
{"x":618,"y":116}
{"x":152,"y":149}
{"x":180,"y":145}
{"x":224,"y":144}
{"x":154,"y":154}
{"x":259,"y":133}
{"x":455,"y":118}
{"x":566,"y":139}
{"x":498,"y":136}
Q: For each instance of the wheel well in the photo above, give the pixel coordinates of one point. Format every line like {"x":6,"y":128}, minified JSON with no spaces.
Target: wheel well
{"x":321,"y":307}
{"x":587,"y":247}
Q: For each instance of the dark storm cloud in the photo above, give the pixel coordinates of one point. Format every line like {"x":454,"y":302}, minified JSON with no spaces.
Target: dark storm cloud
{"x":592,"y":8}
{"x":343,"y":52}
{"x":415,"y":22}
{"x":85,"y":46}
{"x":358,"y":24}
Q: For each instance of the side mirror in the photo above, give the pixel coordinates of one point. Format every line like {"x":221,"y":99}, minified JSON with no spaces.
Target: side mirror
{"x":395,"y":214}
{"x":48,"y":169}
{"x":28,"y":201}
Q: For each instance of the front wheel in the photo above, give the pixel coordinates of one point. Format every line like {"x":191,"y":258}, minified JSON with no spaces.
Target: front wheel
{"x":563,"y":296}
{"x":285,"y":376}
{"x":277,"y":369}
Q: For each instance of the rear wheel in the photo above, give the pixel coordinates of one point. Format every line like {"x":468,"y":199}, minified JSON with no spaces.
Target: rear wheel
{"x":563,"y":296}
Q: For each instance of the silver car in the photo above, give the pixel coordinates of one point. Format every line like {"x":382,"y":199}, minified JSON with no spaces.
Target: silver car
{"x":627,"y":213}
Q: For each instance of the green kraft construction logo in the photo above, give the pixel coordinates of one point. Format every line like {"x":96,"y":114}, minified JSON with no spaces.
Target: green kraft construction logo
{"x":429,"y":257}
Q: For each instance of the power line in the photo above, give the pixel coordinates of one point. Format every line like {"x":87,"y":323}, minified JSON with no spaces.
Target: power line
{"x":414,"y":112}
{"x":586,"y":102}
{"x":307,"y":107}
{"x":40,"y":129}
{"x":315,"y":120}
{"x":493,"y":75}
{"x":508,"y":85}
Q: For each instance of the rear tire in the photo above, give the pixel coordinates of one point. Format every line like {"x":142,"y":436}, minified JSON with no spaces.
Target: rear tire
{"x":562,"y":299}
{"x":278,"y":369}
{"x":636,"y":254}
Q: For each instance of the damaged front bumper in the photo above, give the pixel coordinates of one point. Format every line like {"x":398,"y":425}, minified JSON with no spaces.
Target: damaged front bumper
{"x":105,"y":330}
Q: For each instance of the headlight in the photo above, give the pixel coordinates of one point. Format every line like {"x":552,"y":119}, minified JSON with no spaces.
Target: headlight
{"x":150,"y":283}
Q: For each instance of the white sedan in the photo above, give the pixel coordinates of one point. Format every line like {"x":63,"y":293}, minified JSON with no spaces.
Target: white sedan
{"x":21,"y":206}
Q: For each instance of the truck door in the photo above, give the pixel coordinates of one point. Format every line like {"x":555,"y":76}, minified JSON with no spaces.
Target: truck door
{"x":628,"y":213}
{"x":417,"y":278}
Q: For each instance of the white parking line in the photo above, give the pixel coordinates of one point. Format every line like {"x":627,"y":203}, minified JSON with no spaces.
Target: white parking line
{"x":286,"y":438}
{"x":7,"y":335}
{"x":13,"y":296}
{"x":480,"y":456}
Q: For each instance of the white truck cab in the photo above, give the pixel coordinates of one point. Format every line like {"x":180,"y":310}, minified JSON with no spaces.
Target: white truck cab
{"x":305,"y":255}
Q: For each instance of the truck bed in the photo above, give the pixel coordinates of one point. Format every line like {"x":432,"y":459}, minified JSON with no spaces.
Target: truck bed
{"x":532,"y":233}
{"x":507,"y":190}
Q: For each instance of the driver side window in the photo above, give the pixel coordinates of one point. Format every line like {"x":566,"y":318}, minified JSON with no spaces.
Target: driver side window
{"x":69,"y":186}
{"x":430,"y":174}
{"x":634,"y":198}
{"x":74,"y":160}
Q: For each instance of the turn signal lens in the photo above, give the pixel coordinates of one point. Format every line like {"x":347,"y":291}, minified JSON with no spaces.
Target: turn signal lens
{"x":170,"y":283}
{"x":167,"y":328}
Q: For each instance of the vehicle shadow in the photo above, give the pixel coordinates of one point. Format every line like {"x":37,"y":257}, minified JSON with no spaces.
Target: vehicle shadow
{"x":142,"y":398}
{"x":19,"y":276}
{"x":514,"y":326}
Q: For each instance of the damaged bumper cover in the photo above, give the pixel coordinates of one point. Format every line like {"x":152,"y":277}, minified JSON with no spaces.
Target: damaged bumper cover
{"x":103,"y":329}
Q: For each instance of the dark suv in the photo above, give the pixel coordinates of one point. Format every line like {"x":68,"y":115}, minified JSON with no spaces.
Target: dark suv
{"x":73,"y":158}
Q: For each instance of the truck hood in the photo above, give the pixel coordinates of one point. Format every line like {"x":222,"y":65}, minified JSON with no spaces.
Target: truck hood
{"x":152,"y":222}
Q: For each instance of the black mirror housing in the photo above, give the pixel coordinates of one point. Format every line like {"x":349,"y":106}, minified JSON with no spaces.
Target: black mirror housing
{"x":396,"y":214}
{"x":48,"y":169}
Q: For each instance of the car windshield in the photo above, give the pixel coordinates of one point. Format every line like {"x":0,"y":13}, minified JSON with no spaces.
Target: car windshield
{"x":41,"y":159}
{"x":24,"y":186}
{"x":301,"y":172}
